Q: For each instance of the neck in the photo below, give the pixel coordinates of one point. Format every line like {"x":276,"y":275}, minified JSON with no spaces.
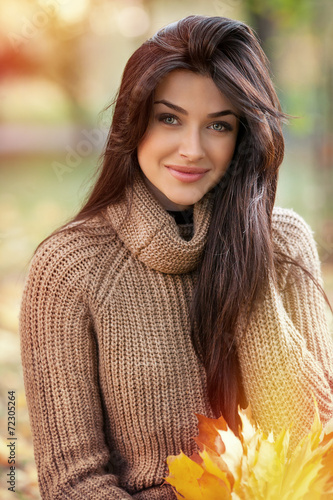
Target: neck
{"x":162,"y":199}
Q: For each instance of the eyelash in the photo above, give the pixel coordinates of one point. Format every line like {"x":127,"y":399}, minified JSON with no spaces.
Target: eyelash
{"x":163,"y":117}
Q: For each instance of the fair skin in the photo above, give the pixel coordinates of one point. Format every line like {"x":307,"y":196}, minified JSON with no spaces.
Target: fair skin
{"x":189,"y":141}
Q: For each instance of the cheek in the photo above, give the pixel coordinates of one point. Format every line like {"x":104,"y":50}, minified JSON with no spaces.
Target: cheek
{"x":156,"y":145}
{"x":221,"y":154}
{"x":149,"y":148}
{"x":140,"y":152}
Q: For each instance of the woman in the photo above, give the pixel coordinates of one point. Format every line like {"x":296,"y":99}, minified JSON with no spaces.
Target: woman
{"x":135,"y":317}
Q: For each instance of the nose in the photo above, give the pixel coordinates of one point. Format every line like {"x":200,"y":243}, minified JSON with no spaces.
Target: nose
{"x":190,"y":146}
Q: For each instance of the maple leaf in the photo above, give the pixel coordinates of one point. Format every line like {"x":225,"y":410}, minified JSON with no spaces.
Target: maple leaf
{"x":255,"y":465}
{"x":194,"y":482}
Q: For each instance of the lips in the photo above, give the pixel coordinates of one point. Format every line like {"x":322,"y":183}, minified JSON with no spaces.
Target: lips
{"x":188,"y":170}
{"x":186,"y":174}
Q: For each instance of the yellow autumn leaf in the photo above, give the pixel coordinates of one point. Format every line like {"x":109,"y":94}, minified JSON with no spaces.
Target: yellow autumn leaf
{"x":193,"y":482}
{"x":216,"y":466}
{"x":254,"y":465}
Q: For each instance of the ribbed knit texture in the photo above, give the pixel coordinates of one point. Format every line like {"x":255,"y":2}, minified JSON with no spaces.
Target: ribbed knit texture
{"x":112,"y":380}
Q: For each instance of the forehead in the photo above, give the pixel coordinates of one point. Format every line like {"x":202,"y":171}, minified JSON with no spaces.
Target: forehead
{"x":186,"y":88}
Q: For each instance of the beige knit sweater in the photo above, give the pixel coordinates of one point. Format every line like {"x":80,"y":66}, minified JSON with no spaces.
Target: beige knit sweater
{"x":111,"y":377}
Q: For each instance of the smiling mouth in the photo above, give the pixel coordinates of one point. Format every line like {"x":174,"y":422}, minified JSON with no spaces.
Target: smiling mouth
{"x":186,"y":174}
{"x":187,"y":170}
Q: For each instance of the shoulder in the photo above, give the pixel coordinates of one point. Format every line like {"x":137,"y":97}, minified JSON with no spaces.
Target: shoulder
{"x":293,"y":236}
{"x":67,"y":257}
{"x":287,"y":222}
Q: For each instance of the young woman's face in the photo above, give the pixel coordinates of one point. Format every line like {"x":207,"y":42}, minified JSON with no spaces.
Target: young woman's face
{"x":190,"y":139}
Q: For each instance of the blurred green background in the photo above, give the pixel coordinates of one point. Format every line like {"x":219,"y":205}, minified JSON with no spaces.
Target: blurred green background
{"x":60,"y":64}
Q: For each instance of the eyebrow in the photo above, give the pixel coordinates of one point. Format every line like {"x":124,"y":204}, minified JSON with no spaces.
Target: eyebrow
{"x":184,"y":112}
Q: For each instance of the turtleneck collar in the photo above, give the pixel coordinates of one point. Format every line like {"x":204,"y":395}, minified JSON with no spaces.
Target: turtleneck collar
{"x":152,"y":235}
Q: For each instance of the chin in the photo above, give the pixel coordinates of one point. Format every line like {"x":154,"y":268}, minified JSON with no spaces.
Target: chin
{"x":187,"y":199}
{"x":184,"y":203}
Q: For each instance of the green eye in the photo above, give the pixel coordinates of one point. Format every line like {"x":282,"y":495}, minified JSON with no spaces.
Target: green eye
{"x":221,"y":126}
{"x":218,"y":126}
{"x":167,"y":119}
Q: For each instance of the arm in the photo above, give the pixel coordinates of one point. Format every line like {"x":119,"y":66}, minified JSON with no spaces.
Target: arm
{"x":163,"y":492}
{"x":59,"y":360}
{"x":286,"y":354}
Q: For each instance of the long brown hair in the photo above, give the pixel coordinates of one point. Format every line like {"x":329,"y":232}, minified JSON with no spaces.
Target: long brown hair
{"x":239,"y":254}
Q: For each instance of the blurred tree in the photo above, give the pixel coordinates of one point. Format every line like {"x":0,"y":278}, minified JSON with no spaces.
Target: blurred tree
{"x":44,"y":45}
{"x":50,"y":40}
{"x":322,"y":26}
{"x":278,"y":16}
{"x":270,"y":19}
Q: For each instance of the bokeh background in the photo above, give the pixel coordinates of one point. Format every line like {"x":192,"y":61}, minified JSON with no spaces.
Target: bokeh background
{"x":60,"y":64}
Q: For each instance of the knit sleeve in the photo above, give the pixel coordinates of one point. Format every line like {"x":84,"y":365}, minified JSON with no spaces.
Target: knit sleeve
{"x":286,"y":354}
{"x":59,"y":358}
